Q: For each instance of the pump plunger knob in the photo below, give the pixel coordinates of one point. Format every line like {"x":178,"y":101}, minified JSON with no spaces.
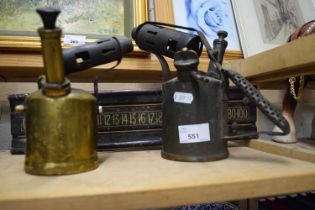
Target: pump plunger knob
{"x":186,"y":59}
{"x":49,"y":17}
{"x":222,"y":34}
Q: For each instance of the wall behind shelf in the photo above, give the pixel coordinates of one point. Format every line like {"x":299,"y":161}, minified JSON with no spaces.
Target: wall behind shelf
{"x":304,"y":114}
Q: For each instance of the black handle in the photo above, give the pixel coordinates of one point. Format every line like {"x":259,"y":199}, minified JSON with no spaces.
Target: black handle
{"x":49,"y":17}
{"x":260,"y":101}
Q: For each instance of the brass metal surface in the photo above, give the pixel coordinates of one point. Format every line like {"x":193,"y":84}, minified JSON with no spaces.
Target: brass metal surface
{"x":60,"y":123}
{"x":52,"y":55}
{"x":54,"y":89}
{"x":60,"y":133}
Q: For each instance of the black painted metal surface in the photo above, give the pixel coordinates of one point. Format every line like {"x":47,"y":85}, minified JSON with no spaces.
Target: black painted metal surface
{"x":193,"y":118}
{"x":142,"y":106}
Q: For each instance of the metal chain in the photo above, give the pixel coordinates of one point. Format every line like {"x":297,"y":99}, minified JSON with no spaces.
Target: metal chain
{"x":292,"y":80}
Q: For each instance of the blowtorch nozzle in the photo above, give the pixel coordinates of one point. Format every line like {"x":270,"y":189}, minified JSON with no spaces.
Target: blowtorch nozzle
{"x":100,"y":52}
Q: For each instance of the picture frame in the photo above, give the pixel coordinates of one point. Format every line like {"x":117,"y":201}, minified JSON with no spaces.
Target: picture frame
{"x":136,"y":12}
{"x":270,"y":24}
{"x":164,"y":12}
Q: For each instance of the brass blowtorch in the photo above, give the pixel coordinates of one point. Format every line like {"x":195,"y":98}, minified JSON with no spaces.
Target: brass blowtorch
{"x":60,"y":121}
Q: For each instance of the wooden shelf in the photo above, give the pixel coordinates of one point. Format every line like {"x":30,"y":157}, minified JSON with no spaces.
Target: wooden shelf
{"x":27,"y":67}
{"x":142,"y":179}
{"x":302,"y":150}
{"x":293,"y":59}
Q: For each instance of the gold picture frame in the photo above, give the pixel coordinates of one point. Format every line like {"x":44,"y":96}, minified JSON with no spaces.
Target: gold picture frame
{"x":27,"y":44}
{"x":164,"y":13}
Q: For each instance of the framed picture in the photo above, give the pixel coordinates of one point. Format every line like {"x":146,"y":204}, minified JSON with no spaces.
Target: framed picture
{"x":265,"y":24}
{"x":94,"y":19}
{"x":207,"y":16}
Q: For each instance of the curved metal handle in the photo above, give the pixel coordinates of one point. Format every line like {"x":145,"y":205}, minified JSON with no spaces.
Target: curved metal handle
{"x":260,"y":101}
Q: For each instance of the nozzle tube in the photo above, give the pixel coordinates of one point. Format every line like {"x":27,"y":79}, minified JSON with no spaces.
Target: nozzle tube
{"x":164,"y":41}
{"x":52,"y":54}
{"x":101,"y":52}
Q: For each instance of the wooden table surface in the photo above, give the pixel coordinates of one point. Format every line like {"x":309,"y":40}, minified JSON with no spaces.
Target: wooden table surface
{"x":142,"y":179}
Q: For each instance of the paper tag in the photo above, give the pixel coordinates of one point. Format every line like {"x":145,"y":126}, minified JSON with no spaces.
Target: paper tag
{"x":181,"y":97}
{"x":194,"y":133}
{"x":74,"y":40}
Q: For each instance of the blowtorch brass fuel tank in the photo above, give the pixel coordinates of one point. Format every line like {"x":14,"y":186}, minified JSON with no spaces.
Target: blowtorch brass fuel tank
{"x":60,"y":122}
{"x":60,"y":133}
